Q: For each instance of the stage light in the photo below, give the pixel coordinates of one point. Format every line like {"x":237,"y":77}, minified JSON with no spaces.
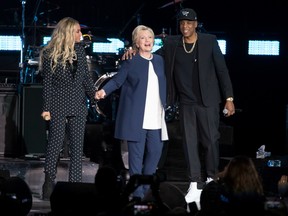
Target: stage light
{"x":46,"y":39}
{"x":222,"y":45}
{"x":263,"y":47}
{"x":10,"y":43}
{"x":158,"y":43}
{"x":115,"y":46}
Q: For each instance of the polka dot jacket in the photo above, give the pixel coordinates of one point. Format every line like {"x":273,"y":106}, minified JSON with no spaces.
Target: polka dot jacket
{"x":64,"y":92}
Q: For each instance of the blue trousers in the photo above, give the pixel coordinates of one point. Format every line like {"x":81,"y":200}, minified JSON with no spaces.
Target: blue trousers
{"x":144,"y":156}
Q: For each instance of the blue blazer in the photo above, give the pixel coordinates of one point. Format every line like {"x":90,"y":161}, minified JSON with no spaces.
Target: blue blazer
{"x":132,"y":77}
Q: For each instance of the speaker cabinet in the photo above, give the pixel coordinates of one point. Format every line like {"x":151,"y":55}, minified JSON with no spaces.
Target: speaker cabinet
{"x":226,"y":141}
{"x":33,"y":127}
{"x":170,"y":195}
{"x":9,"y":123}
{"x":16,"y":197}
{"x":226,"y":134}
{"x":73,"y":198}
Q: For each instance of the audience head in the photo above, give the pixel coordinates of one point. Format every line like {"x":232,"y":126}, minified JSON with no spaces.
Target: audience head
{"x":241,"y":176}
{"x":243,"y":186}
{"x":106,"y":180}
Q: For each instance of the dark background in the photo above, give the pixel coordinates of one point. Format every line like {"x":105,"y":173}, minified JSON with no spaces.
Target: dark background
{"x":116,"y":18}
{"x":260,"y":82}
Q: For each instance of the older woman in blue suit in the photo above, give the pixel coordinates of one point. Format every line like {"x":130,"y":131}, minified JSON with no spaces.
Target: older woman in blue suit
{"x":140,"y":116}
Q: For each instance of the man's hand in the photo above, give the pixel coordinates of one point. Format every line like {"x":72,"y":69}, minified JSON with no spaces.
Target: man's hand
{"x":129,"y":53}
{"x":229,"y":109}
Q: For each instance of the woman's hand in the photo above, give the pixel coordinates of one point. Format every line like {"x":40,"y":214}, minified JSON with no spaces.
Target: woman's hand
{"x":100,"y":94}
{"x":46,"y":116}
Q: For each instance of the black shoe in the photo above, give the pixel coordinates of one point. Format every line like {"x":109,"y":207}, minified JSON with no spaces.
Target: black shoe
{"x":47,"y":189}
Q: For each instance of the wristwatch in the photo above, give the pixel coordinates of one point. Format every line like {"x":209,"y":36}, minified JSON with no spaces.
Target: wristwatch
{"x":230,"y":99}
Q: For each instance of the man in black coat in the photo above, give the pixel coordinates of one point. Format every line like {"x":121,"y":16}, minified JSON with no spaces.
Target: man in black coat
{"x":197,"y":78}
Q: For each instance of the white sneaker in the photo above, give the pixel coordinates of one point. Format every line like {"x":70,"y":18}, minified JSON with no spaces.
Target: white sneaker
{"x":193,"y":194}
{"x":209,"y":179}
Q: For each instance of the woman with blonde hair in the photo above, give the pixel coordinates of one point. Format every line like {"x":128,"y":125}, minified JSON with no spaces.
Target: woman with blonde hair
{"x":66,"y":85}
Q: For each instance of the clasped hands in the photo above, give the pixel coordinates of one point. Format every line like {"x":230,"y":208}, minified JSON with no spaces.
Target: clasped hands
{"x":100,"y":94}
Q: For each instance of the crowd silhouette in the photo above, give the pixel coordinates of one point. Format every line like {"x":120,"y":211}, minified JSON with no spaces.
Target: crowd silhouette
{"x":236,"y":190}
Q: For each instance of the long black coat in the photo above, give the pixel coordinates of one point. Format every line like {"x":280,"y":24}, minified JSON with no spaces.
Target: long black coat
{"x":214,"y":79}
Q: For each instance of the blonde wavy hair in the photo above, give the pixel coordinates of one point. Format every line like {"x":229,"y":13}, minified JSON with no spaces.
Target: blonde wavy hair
{"x":61,"y":45}
{"x":135,"y":34}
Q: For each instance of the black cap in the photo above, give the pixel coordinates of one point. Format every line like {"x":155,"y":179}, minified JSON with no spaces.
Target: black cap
{"x":187,"y":14}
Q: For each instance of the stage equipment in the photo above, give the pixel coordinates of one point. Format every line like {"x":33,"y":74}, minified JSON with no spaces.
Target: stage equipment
{"x":73,"y":198}
{"x":31,"y":72}
{"x":9,"y":118}
{"x":33,"y":127}
{"x":162,"y":35}
{"x":21,"y":63}
{"x":15,"y":196}
{"x":94,"y":66}
{"x":172,"y":113}
{"x":94,"y":38}
{"x":174,"y":2}
{"x":107,"y":107}
{"x":151,"y":205}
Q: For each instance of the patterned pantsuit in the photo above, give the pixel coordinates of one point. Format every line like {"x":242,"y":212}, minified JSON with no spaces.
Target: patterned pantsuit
{"x":75,"y":129}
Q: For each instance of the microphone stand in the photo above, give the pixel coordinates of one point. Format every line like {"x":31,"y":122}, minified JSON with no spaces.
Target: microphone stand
{"x":21,"y":64}
{"x":34,"y":24}
{"x":35,"y":20}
